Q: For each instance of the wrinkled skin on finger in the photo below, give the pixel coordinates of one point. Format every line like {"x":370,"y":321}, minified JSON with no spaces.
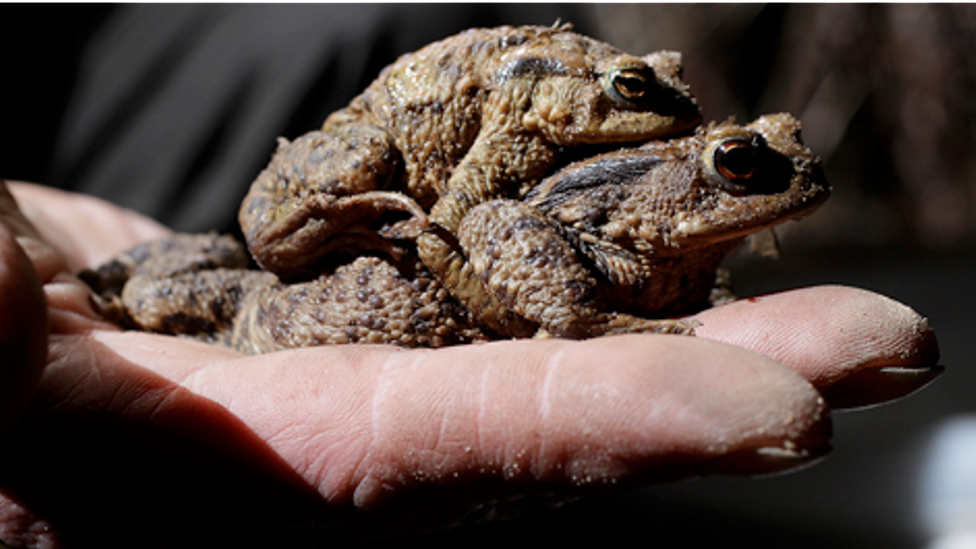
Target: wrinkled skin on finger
{"x":180,"y":442}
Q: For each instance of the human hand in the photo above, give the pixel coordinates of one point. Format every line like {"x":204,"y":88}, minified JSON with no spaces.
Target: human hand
{"x":133,"y":438}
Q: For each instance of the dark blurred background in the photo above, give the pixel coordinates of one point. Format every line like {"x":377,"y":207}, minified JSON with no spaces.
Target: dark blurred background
{"x":178,"y":127}
{"x":885,"y":93}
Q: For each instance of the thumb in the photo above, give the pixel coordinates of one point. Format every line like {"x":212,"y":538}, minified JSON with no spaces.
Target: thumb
{"x":23,"y":328}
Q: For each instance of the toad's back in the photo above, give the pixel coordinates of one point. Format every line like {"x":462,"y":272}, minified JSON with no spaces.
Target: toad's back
{"x":432,"y":100}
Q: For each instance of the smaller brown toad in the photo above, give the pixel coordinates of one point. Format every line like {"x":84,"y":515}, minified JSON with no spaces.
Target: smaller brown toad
{"x":612,"y":244}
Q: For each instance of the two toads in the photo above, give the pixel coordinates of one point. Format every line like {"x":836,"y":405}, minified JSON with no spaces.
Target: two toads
{"x":427,"y":213}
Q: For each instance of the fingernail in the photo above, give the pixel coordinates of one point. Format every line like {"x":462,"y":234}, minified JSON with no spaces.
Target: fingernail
{"x":874,"y":386}
{"x":767,"y":460}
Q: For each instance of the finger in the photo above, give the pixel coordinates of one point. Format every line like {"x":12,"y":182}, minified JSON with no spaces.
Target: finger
{"x":67,"y":300}
{"x":47,"y":262}
{"x":23,"y":329}
{"x":859,"y":348}
{"x":370,"y":427}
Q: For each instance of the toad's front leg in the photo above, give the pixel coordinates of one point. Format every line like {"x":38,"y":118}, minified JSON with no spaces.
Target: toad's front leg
{"x":527,"y":265}
{"x":503,"y":163}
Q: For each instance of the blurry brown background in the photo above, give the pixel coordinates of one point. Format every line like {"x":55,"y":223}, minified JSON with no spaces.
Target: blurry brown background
{"x":886,"y":93}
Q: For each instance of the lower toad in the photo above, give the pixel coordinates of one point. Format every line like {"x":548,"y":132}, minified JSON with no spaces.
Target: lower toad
{"x":612,"y":244}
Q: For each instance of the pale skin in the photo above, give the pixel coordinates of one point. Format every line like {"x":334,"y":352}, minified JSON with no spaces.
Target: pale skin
{"x":123,"y":438}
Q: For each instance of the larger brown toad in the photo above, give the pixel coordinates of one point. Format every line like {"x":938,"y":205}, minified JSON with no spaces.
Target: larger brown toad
{"x":607,"y":245}
{"x":484,"y":114}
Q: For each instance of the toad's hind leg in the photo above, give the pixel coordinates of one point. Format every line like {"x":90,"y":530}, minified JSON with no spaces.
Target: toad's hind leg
{"x":528,"y":266}
{"x":184,"y":284}
{"x":370,"y":300}
{"x":199,"y":304}
{"x":323,"y":185}
{"x":178,"y":253}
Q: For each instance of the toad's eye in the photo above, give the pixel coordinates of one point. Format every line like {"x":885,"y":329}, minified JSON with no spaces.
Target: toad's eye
{"x":629,"y":84}
{"x":736,"y":159}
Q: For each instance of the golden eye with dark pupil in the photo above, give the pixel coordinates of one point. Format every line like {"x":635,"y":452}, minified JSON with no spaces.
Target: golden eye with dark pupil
{"x":736,"y":160}
{"x":630,"y":83}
